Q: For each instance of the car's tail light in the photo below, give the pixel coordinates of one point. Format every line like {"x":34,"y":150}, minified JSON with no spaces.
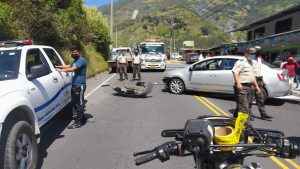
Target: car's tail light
{"x":281,"y":76}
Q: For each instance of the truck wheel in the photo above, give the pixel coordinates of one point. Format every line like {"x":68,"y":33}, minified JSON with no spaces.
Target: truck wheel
{"x":176,"y":86}
{"x":21,"y":150}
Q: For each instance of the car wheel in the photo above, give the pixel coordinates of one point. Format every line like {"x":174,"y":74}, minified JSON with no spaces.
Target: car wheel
{"x":265,"y":94}
{"x":21,"y":147}
{"x":176,"y":86}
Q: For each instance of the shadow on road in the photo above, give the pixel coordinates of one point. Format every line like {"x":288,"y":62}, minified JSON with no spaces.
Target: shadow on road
{"x":230,"y":97}
{"x":52,"y":131}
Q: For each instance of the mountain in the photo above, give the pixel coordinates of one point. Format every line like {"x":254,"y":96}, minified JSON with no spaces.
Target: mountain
{"x":203,"y":21}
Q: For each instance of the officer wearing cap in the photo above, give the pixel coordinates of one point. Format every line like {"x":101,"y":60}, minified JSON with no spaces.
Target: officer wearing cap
{"x":257,"y":64}
{"x":122,"y":64}
{"x":244,"y":80}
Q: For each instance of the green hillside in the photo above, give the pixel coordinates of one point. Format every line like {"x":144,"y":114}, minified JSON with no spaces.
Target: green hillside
{"x":61,"y":24}
{"x":203,"y":21}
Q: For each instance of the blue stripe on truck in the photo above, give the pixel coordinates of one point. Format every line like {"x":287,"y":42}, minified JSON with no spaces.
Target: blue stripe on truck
{"x":37,"y":109}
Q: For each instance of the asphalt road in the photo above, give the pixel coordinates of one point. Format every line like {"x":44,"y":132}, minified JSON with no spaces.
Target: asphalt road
{"x":119,"y":126}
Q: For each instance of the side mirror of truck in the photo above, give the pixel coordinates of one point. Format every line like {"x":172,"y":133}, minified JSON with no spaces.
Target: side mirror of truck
{"x":191,"y":69}
{"x":38,"y":71}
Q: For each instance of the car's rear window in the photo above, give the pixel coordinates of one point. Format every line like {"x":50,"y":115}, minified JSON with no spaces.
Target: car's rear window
{"x":193,"y":54}
{"x":9,"y":64}
{"x":268,"y":64}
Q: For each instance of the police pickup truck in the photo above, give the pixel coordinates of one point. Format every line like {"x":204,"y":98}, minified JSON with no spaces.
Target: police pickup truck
{"x":31,"y":93}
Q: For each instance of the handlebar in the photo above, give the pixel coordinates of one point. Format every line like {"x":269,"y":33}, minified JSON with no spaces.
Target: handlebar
{"x":197,"y":139}
{"x":162,"y":152}
{"x":146,"y":158}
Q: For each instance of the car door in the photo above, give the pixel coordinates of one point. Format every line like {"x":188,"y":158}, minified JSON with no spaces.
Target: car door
{"x":44,"y":91}
{"x":64,"y":78}
{"x":225,"y":77}
{"x":204,"y":75}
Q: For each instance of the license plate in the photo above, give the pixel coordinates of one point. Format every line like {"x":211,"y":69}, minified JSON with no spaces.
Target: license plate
{"x":151,"y":65}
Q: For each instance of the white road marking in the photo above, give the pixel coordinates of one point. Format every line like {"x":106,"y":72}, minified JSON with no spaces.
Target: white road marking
{"x":99,"y":86}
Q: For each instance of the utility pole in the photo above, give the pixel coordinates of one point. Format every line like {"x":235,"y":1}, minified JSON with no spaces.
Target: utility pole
{"x":111,"y":18}
{"x":172,"y":37}
{"x":174,"y":43}
{"x":116,"y":36}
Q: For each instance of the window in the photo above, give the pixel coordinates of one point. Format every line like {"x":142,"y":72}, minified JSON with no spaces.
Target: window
{"x":53,"y":57}
{"x":259,"y":33}
{"x":283,"y":26}
{"x":228,"y":64}
{"x":34,"y":57}
{"x":213,"y":64}
{"x":9,"y":64}
{"x":249,"y":36}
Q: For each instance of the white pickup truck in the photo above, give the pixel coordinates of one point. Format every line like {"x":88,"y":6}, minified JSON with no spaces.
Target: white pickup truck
{"x":31,"y":93}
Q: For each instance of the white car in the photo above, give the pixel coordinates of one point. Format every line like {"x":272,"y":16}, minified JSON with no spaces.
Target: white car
{"x":214,"y":75}
{"x":32,"y":92}
{"x":176,"y":56}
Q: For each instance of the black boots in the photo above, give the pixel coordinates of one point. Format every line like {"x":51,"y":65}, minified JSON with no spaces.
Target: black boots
{"x":266,"y":117}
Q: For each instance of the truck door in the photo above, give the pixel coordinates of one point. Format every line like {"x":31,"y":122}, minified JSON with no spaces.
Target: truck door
{"x":65,"y":78}
{"x":44,"y":91}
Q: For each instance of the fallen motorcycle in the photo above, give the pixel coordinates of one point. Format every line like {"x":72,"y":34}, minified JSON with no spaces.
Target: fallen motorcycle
{"x":133,"y":89}
{"x":217,"y":142}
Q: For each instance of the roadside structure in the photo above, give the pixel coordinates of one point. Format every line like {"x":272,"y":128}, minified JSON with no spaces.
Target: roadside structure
{"x":278,"y":35}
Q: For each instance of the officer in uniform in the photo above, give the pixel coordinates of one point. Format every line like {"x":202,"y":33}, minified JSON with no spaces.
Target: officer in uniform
{"x":261,"y":83}
{"x":136,"y":65}
{"x":122,"y":63}
{"x":244,"y":80}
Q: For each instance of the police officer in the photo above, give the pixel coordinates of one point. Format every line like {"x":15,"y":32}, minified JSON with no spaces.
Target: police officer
{"x":244,"y":80}
{"x":122,"y":64}
{"x":78,"y":66}
{"x":261,"y":83}
{"x":136,"y":65}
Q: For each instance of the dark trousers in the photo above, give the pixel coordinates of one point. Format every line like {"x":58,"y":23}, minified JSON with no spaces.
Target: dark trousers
{"x":123,"y":70}
{"x":259,"y":99}
{"x":78,"y":102}
{"x":243,"y":99}
{"x":136,"y":69}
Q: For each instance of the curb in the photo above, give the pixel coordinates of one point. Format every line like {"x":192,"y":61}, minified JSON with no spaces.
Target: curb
{"x":296,"y":93}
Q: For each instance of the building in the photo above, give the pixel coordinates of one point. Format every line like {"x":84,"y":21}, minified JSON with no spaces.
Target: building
{"x":278,"y":35}
{"x":284,"y":21}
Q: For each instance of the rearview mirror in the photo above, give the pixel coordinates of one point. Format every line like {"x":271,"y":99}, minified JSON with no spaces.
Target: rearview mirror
{"x":191,"y":69}
{"x":38,"y":71}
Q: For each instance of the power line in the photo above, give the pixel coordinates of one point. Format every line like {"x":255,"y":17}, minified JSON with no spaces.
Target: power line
{"x":214,"y":12}
{"x":214,"y":8}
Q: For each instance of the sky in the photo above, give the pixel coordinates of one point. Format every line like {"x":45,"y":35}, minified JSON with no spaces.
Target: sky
{"x":96,"y":3}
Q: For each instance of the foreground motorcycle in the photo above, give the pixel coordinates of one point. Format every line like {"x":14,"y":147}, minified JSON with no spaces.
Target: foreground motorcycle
{"x":217,"y":142}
